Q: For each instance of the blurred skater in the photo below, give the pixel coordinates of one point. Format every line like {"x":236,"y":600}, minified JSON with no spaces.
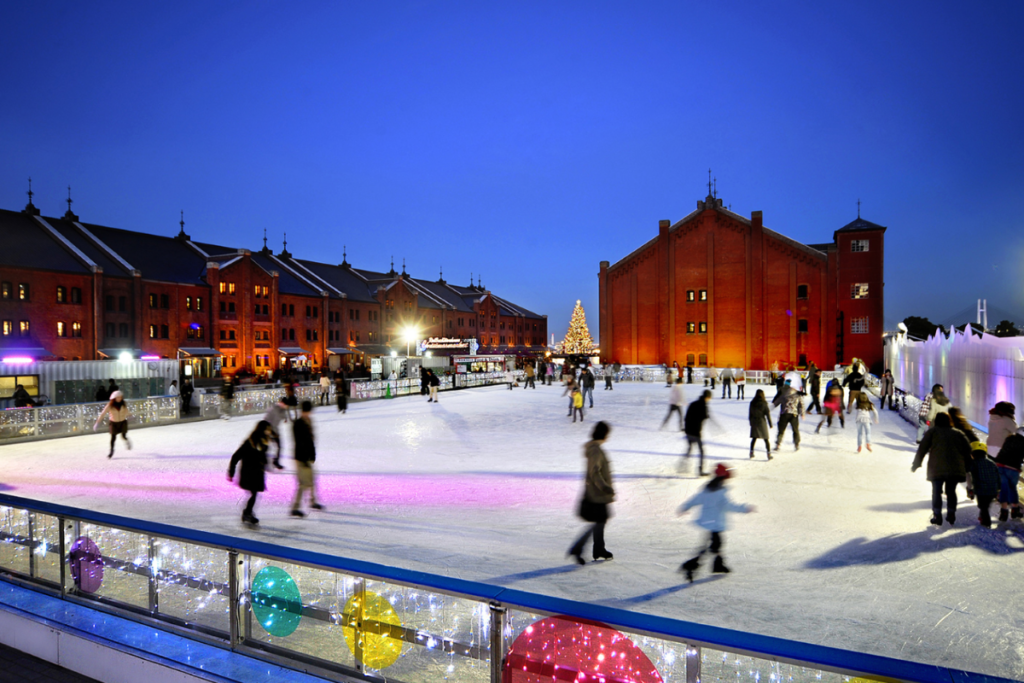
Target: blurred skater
{"x":252,"y":454}
{"x":598,"y":493}
{"x":119,"y":415}
{"x":696,"y":413}
{"x":305,"y":456}
{"x":676,"y":397}
{"x":715,"y":505}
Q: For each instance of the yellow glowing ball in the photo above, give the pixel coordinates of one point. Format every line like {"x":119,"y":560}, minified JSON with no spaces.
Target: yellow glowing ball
{"x":373,"y":616}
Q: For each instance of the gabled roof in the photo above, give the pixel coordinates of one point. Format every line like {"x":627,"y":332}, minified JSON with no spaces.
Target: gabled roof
{"x":445,"y":293}
{"x":157,"y":257}
{"x":287,"y":283}
{"x":69,"y":231}
{"x":26,"y":244}
{"x":341,"y":278}
{"x":860,"y":224}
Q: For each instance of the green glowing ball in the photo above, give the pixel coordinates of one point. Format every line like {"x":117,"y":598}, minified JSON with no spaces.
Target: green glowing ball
{"x":276,"y":601}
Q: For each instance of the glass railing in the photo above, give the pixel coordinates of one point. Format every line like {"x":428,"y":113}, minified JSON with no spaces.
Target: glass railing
{"x":47,"y":422}
{"x":326,"y":614}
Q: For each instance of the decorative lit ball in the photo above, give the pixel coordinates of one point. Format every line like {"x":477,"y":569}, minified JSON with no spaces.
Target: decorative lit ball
{"x":86,"y":565}
{"x":276,"y":601}
{"x":566,"y":649}
{"x":374,"y":615}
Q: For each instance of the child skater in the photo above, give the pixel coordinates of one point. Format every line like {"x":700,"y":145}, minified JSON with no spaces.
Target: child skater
{"x":715,"y":503}
{"x":253,"y":456}
{"x":866,"y":414}
{"x":577,"y":403}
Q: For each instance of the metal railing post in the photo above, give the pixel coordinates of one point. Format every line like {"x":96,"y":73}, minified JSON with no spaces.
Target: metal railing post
{"x":154,"y":595}
{"x":62,"y":546}
{"x":693,"y":664}
{"x":234,"y":598}
{"x":32,"y":544}
{"x":497,"y":641}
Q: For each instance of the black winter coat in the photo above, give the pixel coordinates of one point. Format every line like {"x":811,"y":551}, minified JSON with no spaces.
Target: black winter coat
{"x":760,"y":420}
{"x":305,"y":449}
{"x":695,"y":416}
{"x":855,"y":381}
{"x":948,"y":451}
{"x":1012,"y":453}
{"x":254,"y":464}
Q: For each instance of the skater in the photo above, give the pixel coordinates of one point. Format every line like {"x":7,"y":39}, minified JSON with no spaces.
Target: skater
{"x":939,"y":404}
{"x":1009,"y":462}
{"x":549,"y":372}
{"x":1000,"y":425}
{"x":119,"y":415}
{"x":290,"y":400}
{"x":886,"y":389}
{"x":760,"y":417}
{"x":675,"y":403}
{"x":866,"y":414}
{"x":791,"y":411}
{"x":727,"y":381}
{"x":509,"y":379}
{"x":305,"y":455}
{"x":696,"y":413}
{"x":960,"y":422}
{"x":252,"y":478}
{"x":608,"y":372}
{"x":435,"y":383}
{"x":424,"y":382}
{"x":186,"y":397}
{"x":570,"y":386}
{"x":597,"y":494}
{"x":714,"y":504}
{"x":947,"y":450}
{"x":815,"y":391}
{"x":340,"y":392}
{"x":530,"y":377}
{"x":987,"y":483}
{"x":577,"y":404}
{"x":855,"y":380}
{"x":325,"y":389}
{"x":922,"y":414}
{"x":227,"y":399}
{"x":274,"y":416}
{"x":712,"y":375}
{"x":741,"y":381}
{"x":587,"y":385}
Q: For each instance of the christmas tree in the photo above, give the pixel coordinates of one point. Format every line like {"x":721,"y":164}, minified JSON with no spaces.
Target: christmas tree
{"x":578,"y":339}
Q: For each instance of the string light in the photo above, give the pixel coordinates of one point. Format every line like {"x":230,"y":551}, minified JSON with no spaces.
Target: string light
{"x":577,"y":338}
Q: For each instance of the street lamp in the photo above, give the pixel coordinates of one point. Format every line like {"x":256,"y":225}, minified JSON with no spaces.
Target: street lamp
{"x":410,"y":337}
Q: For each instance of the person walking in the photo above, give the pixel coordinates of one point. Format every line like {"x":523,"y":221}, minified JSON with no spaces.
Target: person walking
{"x":740,"y":377}
{"x":940,"y":404}
{"x":855,"y":380}
{"x":186,"y":397}
{"x":922,"y":413}
{"x":118,"y":420}
{"x":791,"y":411}
{"x":530,"y":375}
{"x":598,"y":494}
{"x":760,"y":418}
{"x":693,"y":423}
{"x":947,"y":450}
{"x":815,"y":387}
{"x":173,"y":389}
{"x":341,"y":391}
{"x":1010,"y":461}
{"x":305,"y":456}
{"x":886,"y":389}
{"x":726,"y":377}
{"x":715,"y":505}
{"x":866,"y":414}
{"x":587,"y":385}
{"x":676,"y":397}
{"x":252,"y":455}
{"x":1001,"y":425}
{"x":435,"y":383}
{"x":833,"y":405}
{"x":325,"y":389}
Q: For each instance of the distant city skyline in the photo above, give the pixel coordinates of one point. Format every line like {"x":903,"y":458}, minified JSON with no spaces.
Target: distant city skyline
{"x":527,"y":144}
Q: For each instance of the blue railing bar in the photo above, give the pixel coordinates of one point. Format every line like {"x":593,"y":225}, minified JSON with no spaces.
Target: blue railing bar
{"x":699,"y":634}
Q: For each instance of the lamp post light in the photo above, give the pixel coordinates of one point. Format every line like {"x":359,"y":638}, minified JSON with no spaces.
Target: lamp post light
{"x":410,"y":337}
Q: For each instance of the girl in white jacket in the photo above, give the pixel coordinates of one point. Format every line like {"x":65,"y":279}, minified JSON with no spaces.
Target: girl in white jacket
{"x":866,"y":414}
{"x":715,"y":505}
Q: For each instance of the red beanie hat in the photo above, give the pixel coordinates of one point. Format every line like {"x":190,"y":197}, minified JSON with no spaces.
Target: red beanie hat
{"x":722,"y":471}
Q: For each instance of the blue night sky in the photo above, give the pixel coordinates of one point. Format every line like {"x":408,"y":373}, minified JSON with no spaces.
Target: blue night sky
{"x":529,"y":141}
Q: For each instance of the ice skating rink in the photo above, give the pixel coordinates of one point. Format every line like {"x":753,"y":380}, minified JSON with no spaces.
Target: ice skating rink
{"x":484,"y":486}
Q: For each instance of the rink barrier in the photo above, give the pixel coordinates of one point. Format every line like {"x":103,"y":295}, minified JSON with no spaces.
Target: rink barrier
{"x":338,"y":617}
{"x":49,"y":422}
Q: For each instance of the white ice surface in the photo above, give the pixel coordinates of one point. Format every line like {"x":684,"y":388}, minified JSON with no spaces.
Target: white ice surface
{"x":484,"y":485}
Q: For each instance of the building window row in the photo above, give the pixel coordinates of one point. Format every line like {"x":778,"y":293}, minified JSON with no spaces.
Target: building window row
{"x":227,"y":335}
{"x":122,"y":330}
{"x":159,"y":332}
{"x":312,"y":312}
{"x":311,"y":335}
{"x":194,"y":331}
{"x":696,"y":295}
{"x":227,"y":288}
{"x":287,"y":310}
{"x":189,"y":302}
{"x":227,"y":306}
{"x":287,"y":334}
{"x":701,"y":327}
{"x":262,"y":361}
{"x":262,"y":335}
{"x":262,"y":309}
{"x":8,"y":328}
{"x":802,"y":291}
{"x":74,"y":330}
{"x":159,"y":301}
{"x":261,"y":291}
{"x":7,"y":291}
{"x":859,"y":290}
{"x":64,"y":297}
{"x":122,"y":303}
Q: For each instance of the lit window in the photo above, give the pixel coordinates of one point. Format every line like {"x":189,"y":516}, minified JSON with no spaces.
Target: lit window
{"x":23,"y":291}
{"x":188,"y":303}
{"x":703,"y":295}
{"x":8,"y":328}
{"x":231,"y":288}
{"x":256,"y":289}
{"x":5,"y":290}
{"x":223,"y":287}
{"x":152,"y":331}
{"x":61,"y":330}
{"x":691,"y":328}
{"x":859,"y":245}
{"x":61,"y":296}
{"x":23,"y":328}
{"x":859,"y":325}
{"x":703,"y":328}
{"x":199,"y":303}
{"x":859,"y":291}
{"x":691,"y":296}
{"x":152,"y":300}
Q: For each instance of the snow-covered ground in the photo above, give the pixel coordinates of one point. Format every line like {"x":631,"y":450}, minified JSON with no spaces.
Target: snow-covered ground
{"x":484,"y":486}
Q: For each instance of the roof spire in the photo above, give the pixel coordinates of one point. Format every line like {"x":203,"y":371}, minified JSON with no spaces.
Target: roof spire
{"x":403,"y":265}
{"x":709,"y":182}
{"x":344,"y":256}
{"x":715,"y":195}
{"x":440,"y":278}
{"x":471,"y":279}
{"x":30,"y":208}
{"x":392,"y":273}
{"x":284,"y":252}
{"x":181,"y":224}
{"x":264,"y":238}
{"x":69,"y":216}
{"x":858,"y":207}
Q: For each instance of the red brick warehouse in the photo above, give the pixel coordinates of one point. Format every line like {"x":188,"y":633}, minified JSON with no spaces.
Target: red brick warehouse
{"x":719,"y":289}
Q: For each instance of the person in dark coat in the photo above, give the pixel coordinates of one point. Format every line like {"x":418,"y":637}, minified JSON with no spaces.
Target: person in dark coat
{"x":815,"y":391}
{"x":435,"y":385}
{"x":101,"y":393}
{"x":186,"y":397}
{"x":855,"y":380}
{"x":22,"y":399}
{"x":341,"y":391}
{"x":791,"y":411}
{"x":1009,"y":462}
{"x":947,"y":450}
{"x":598,"y":493}
{"x":760,"y":422}
{"x":693,"y":423}
{"x":305,"y":456}
{"x":982,"y":473}
{"x":252,"y":454}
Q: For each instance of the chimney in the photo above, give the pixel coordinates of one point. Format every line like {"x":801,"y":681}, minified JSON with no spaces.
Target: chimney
{"x":663,"y":227}
{"x":755,"y":219}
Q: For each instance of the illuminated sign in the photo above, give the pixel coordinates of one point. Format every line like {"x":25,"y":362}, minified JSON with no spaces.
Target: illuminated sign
{"x":444,"y":343}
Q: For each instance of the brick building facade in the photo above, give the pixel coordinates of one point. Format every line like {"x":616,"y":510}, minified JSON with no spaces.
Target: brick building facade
{"x":74,"y":290}
{"x":719,"y":289}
